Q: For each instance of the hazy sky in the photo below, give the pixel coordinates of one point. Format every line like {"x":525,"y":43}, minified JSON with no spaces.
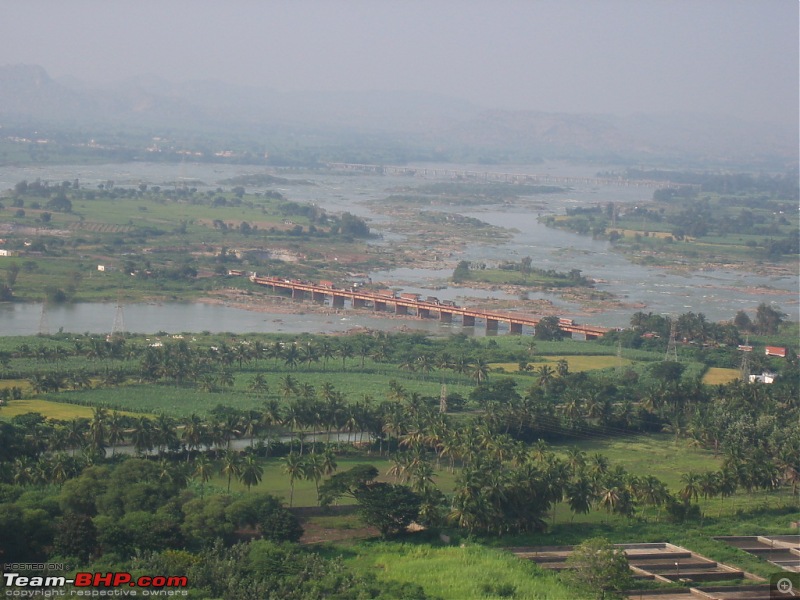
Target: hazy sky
{"x":735,"y":57}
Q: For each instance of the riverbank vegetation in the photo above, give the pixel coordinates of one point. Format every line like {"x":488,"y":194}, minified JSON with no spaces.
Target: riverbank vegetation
{"x":521,"y":273}
{"x":65,"y":242}
{"x":736,"y":219}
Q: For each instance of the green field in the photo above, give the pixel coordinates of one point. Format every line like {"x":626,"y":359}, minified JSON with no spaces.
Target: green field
{"x":51,"y":410}
{"x":576,"y":363}
{"x":460,"y":572}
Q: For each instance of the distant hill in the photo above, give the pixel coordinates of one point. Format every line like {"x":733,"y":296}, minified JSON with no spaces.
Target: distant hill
{"x":29,"y":95}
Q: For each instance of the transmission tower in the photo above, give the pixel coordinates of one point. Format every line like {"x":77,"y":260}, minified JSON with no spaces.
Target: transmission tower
{"x":119,"y":320}
{"x":672,"y":346}
{"x":744,"y":367}
{"x":44,"y":326}
{"x":443,"y":399}
{"x":619,"y":356}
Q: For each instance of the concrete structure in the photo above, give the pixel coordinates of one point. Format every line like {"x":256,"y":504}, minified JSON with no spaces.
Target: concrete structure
{"x":667,"y":564}
{"x":404,"y":304}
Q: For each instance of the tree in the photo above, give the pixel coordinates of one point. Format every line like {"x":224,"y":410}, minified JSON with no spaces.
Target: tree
{"x":293,"y":466}
{"x":461,"y":272}
{"x":597,"y":565}
{"x":548,"y":329}
{"x":768,"y":319}
{"x":345,"y":483}
{"x":250,"y":472}
{"x":742,"y":321}
{"x":76,"y":536}
{"x":203,"y":469}
{"x":692,"y":487}
{"x":389,"y":507}
{"x":231,"y":466}
{"x":667,"y":371}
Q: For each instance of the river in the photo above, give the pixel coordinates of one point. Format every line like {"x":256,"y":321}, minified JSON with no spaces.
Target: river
{"x":718,"y":293}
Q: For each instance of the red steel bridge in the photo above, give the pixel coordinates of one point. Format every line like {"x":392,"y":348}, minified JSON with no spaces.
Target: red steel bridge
{"x":405,"y":304}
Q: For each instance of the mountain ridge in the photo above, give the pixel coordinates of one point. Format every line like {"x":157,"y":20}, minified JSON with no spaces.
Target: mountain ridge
{"x":28,"y":93}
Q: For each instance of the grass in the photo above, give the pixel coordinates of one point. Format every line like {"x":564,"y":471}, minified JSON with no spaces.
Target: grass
{"x":182,"y":401}
{"x":276,"y":482}
{"x":656,"y":454}
{"x":52,"y":410}
{"x":459,"y":572}
{"x":576,"y":363}
{"x":720,"y":376}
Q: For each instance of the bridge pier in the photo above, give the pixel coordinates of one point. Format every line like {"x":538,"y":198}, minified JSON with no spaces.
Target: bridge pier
{"x":337,"y":302}
{"x":445,"y":317}
{"x":298,"y":294}
{"x":491,"y":324}
{"x":468,"y":321}
{"x":515,"y":328}
{"x":399,"y":309}
{"x":423,"y":313}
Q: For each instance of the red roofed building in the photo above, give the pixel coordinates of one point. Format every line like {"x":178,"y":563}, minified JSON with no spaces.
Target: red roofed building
{"x":775,"y":351}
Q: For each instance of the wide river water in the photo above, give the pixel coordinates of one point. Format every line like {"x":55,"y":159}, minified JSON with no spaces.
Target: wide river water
{"x":718,"y":293}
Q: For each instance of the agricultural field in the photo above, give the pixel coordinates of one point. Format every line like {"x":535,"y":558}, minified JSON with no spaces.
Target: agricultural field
{"x":720,"y":376}
{"x":59,"y":411}
{"x":575,"y":363}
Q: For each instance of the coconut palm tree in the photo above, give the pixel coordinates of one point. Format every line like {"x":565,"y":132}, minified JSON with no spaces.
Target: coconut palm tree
{"x":250,"y":471}
{"x":258,"y":385}
{"x":479,"y":371}
{"x":250,"y":425}
{"x":610,"y":498}
{"x":194,"y":431}
{"x":580,"y":495}
{"x":326,"y":351}
{"x":309,"y":355}
{"x":345,"y":351}
{"x":293,"y":466}
{"x":313,"y":469}
{"x":115,"y":430}
{"x":691,"y":489}
{"x":289,"y":386}
{"x":546,"y":374}
{"x":98,"y":430}
{"x":231,"y":466}
{"x":275,"y":351}
{"x":203,"y":470}
{"x":164,"y":433}
{"x":652,"y":491}
{"x":142,"y":435}
{"x":329,"y":464}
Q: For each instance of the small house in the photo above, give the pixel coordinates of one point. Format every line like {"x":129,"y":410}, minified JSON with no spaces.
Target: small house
{"x":775,"y":351}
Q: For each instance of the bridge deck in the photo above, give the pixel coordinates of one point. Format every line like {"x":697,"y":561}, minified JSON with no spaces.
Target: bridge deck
{"x":421,"y":305}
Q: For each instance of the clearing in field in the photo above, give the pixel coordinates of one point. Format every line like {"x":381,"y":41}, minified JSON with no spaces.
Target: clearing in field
{"x":719,"y":376}
{"x":576,"y":363}
{"x":52,"y":410}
